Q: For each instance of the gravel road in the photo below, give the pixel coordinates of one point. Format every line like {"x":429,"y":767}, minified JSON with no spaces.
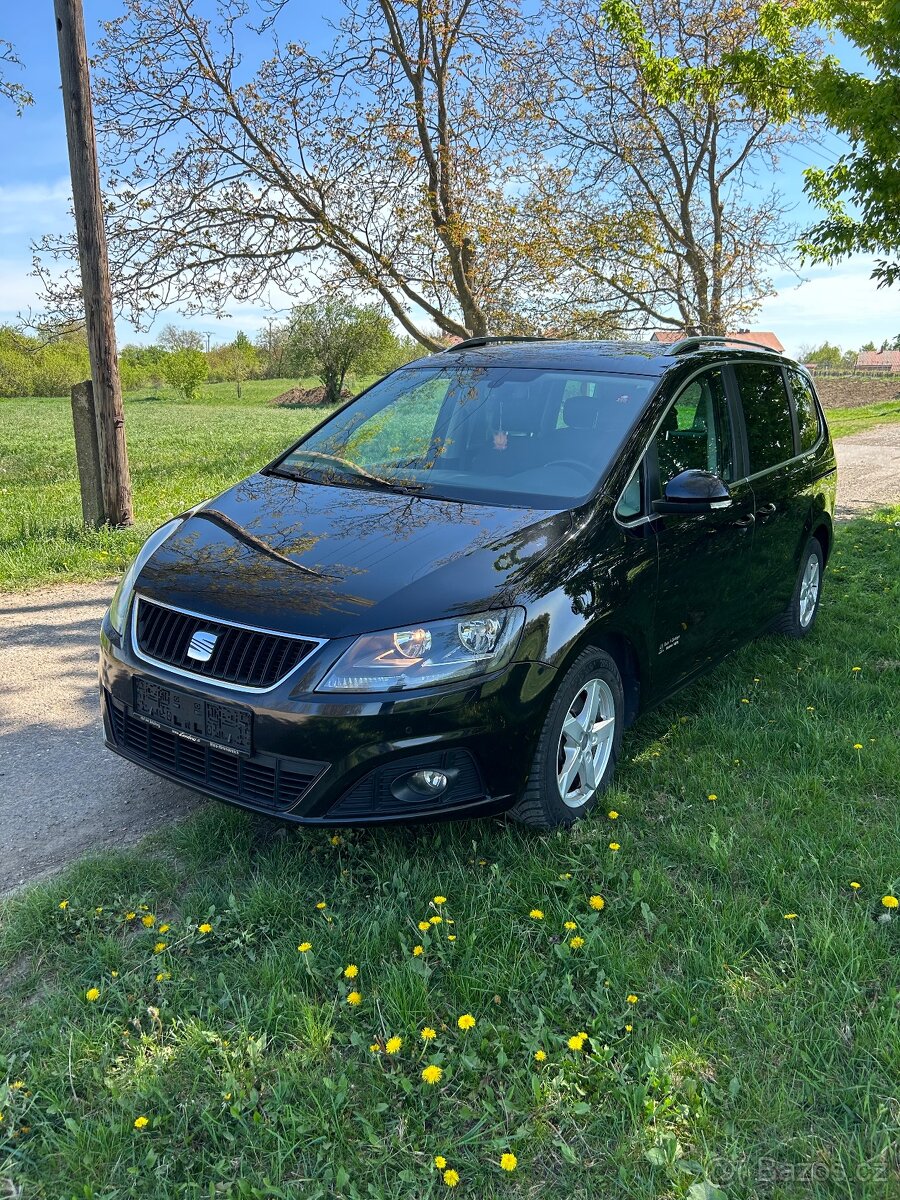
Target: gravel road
{"x":62,"y":794}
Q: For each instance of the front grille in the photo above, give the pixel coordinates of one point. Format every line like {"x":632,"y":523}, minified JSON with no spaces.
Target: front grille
{"x":247,"y":657}
{"x":372,"y":795}
{"x":276,"y":784}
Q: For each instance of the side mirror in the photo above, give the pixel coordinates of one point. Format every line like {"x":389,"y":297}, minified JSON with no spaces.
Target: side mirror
{"x":693,"y":492}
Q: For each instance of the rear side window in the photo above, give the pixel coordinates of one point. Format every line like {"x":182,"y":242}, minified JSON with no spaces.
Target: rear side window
{"x":807,"y":409}
{"x":767,"y":414}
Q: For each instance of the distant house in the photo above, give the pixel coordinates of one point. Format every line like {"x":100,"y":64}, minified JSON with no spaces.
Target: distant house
{"x":666,"y":337}
{"x":878,"y":360}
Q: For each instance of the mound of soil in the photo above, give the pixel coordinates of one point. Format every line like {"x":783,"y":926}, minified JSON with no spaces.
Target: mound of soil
{"x":300,"y":397}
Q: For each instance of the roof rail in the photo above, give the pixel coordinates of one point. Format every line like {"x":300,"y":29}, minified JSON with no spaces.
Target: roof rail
{"x":472,"y":342}
{"x":694,"y":343}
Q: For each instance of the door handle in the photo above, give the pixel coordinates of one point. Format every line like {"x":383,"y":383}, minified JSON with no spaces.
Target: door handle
{"x":745,"y":522}
{"x":766,"y":510}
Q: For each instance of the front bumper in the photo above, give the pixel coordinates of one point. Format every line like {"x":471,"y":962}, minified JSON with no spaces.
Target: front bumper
{"x":332,"y":760}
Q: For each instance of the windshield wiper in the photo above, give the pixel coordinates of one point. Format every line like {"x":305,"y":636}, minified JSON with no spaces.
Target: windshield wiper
{"x":352,"y":469}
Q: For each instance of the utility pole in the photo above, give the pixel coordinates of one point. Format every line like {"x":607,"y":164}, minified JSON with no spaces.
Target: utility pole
{"x":88,"y":204}
{"x":207,"y":336}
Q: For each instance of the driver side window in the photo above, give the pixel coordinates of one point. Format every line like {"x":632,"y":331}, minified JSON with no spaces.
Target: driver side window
{"x":695,"y":433}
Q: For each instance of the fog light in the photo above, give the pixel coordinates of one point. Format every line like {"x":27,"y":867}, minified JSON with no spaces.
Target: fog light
{"x":428,"y":782}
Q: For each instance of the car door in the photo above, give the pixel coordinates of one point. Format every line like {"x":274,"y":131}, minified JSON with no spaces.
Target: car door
{"x":704,"y":558}
{"x":777,"y":476}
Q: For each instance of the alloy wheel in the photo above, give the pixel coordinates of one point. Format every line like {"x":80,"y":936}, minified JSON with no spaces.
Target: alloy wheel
{"x":809,"y":590}
{"x":585,"y":743}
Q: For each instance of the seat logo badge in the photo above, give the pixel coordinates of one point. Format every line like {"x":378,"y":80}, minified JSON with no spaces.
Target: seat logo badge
{"x":202,"y":646}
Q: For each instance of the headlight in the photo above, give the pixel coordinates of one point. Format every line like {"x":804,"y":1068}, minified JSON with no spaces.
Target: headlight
{"x":425,"y":655}
{"x":118,"y":610}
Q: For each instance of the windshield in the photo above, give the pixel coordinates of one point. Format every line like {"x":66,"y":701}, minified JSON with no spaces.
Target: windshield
{"x":491,"y":434}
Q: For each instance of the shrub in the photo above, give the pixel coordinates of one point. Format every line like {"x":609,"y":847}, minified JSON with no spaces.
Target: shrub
{"x":185,"y":370}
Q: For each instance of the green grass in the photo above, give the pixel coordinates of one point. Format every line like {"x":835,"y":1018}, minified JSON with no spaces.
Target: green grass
{"x":762,"y":1056}
{"x":179,"y":453}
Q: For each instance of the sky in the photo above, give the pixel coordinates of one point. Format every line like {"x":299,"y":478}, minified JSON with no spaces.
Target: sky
{"x":839,"y":304}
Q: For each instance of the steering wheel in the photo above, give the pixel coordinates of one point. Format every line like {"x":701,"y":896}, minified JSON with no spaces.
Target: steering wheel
{"x":573,"y":462}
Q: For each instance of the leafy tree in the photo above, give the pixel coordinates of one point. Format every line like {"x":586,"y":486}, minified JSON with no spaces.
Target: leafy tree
{"x":9,"y":90}
{"x":236,"y":362}
{"x":888,"y":344}
{"x":185,"y":370}
{"x":825,"y":355}
{"x":174,"y":337}
{"x":793,"y":80}
{"x":333,"y":339}
{"x":663,"y":207}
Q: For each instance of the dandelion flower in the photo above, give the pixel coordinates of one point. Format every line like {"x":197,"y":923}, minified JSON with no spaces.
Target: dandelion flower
{"x":418,"y":950}
{"x":424,"y":926}
{"x":597,"y":903}
{"x":628,"y":1028}
{"x":631,"y":998}
{"x":540,"y":1055}
{"x":790,"y":916}
{"x":141,"y":1122}
{"x":129,"y":916}
{"x":614,"y":846}
{"x":148,"y":921}
{"x":305,"y":947}
{"x":451,"y":937}
{"x":351,"y":971}
{"x":744,"y":700}
{"x":451,"y":1177}
{"x":92,"y":994}
{"x":354,"y":998}
{"x":159,"y":947}
{"x":855,"y":885}
{"x":889,"y":901}
{"x":164,"y":928}
{"x":428,"y":1033}
{"x":856,"y":669}
{"x":508,"y":1162}
{"x":432,"y":1074}
{"x":576,"y":1041}
{"x":440,"y":1162}
{"x":435,"y":920}
{"x":566,"y":875}
{"x":466,"y":1021}
{"x":321,"y":905}
{"x":536,"y":914}
{"x":393,"y":1045}
{"x":712,"y":796}
{"x":576,"y":943}
{"x":375,"y":1048}
{"x":205,"y":927}
{"x":857,"y":746}
{"x":613,"y":815}
{"x":63,"y":904}
{"x":570,"y":925}
{"x":336,"y":840}
{"x":440,"y":900}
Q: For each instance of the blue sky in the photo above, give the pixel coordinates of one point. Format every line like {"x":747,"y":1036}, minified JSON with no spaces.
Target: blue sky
{"x":839,"y":304}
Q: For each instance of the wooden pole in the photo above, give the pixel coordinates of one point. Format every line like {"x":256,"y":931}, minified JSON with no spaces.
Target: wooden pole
{"x":88,"y":203}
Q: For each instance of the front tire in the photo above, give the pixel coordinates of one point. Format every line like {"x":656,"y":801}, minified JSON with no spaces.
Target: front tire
{"x":579,"y":744}
{"x":800,"y":615}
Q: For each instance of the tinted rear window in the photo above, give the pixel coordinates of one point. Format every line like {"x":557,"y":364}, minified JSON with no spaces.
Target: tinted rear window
{"x":807,"y":410}
{"x":767,"y":413}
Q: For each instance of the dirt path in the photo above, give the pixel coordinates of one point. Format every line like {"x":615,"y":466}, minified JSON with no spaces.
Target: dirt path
{"x":62,"y":793}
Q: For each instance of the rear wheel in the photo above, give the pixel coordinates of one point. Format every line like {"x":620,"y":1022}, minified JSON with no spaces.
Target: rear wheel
{"x":579,"y":744}
{"x":799,"y":617}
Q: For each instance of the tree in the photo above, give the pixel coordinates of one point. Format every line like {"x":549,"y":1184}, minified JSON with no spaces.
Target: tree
{"x":393,"y":163}
{"x":788,"y":75}
{"x":185,"y":370}
{"x":333,"y":339}
{"x":238,"y":360}
{"x":825,"y":355}
{"x":663,"y":206}
{"x":173,"y":337}
{"x":10,"y":90}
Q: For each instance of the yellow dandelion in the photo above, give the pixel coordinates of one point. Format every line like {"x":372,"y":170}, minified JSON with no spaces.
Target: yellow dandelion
{"x":451,"y":1177}
{"x":17,"y":1085}
{"x":570,"y":925}
{"x":98,"y":910}
{"x":613,"y":815}
{"x":712,"y":796}
{"x":424,"y":926}
{"x":321,"y":905}
{"x":790,"y":916}
{"x":508,"y":1162}
{"x":129,"y":916}
{"x":566,"y":875}
{"x":540,"y":1055}
{"x":576,"y":943}
{"x":432,"y":1074}
{"x":148,"y":921}
{"x":305,"y":947}
{"x":336,"y":840}
{"x":159,"y":947}
{"x":857,"y":745}
{"x":164,"y":928}
{"x":856,"y":669}
{"x":628,"y":1028}
{"x":162,"y":976}
{"x":440,"y":900}
{"x":354,"y":998}
{"x":744,"y":700}
{"x":466,"y":1021}
{"x":435,"y":920}
{"x":631,"y":998}
{"x":375,"y":1048}
{"x":205,"y":927}
{"x":451,"y":937}
{"x":141,"y":1122}
{"x":440,"y":1162}
{"x":428,"y":1034}
{"x":351,"y":971}
{"x":614,"y":846}
{"x":536,"y":914}
{"x":889,"y":901}
{"x":576,"y":1041}
{"x":63,"y":904}
{"x":597,"y":903}
{"x":393,"y":1045}
{"x":855,"y":885}
{"x":418,"y":950}
{"x":92,"y":994}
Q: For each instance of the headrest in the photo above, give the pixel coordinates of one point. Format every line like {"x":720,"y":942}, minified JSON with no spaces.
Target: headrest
{"x":520,"y":410}
{"x":580,"y":412}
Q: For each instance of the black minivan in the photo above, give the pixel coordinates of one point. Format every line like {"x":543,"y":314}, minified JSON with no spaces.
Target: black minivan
{"x":456,"y":592}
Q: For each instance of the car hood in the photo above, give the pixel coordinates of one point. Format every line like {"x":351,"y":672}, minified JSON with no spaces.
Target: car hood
{"x":337,"y":561}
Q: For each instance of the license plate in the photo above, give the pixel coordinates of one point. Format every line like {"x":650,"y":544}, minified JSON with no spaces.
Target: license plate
{"x":224,"y":725}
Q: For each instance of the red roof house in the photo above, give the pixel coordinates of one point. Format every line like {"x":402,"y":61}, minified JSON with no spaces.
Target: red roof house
{"x":666,"y":337}
{"x":878,"y":360}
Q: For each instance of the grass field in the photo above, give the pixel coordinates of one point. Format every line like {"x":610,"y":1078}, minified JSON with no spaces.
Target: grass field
{"x":178,"y":1020}
{"x":180,"y":453}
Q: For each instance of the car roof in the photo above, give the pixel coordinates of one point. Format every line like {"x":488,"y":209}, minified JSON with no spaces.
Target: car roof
{"x":613,"y":357}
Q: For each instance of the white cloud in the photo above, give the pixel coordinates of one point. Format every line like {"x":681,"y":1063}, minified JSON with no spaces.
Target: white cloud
{"x":839,"y":304}
{"x":29,"y":209}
